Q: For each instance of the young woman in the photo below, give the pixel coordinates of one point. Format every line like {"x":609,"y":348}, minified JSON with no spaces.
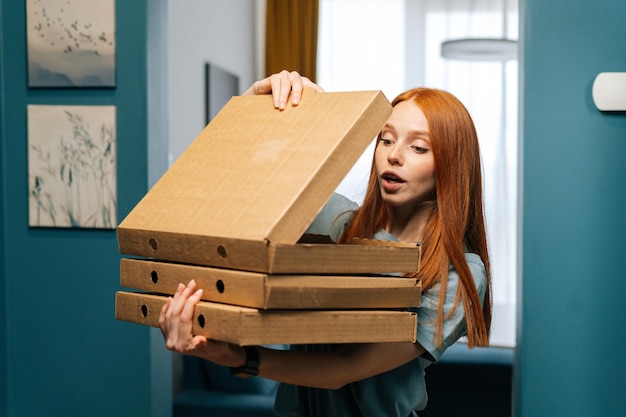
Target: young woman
{"x":424,"y":186}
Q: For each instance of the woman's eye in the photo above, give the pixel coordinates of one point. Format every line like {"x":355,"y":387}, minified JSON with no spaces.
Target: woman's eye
{"x":385,"y":141}
{"x":419,"y":149}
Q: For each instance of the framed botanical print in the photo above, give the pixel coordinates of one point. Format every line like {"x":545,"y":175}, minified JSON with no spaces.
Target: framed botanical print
{"x":72,"y":166}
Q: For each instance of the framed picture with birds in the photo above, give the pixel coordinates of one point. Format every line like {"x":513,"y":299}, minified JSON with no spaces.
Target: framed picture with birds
{"x":71,"y":43}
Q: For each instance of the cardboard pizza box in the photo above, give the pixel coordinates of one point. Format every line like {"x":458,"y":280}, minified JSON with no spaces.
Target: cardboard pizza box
{"x":244,"y":192}
{"x":247,"y":326}
{"x":266,"y":291}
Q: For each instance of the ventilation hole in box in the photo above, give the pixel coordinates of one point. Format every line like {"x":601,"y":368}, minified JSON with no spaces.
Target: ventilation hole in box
{"x":153,"y":244}
{"x":144,"y":310}
{"x":220,"y":286}
{"x":201,"y":320}
{"x":222,"y":252}
{"x":155,"y":276}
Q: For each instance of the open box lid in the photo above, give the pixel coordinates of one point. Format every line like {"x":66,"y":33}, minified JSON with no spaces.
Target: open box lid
{"x":255,"y":176}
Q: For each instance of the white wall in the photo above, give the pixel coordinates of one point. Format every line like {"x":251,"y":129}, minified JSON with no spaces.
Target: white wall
{"x":200,"y":31}
{"x":193,"y":33}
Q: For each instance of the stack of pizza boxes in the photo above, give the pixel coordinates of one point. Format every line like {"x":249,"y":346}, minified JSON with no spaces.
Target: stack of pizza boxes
{"x":231,"y":213}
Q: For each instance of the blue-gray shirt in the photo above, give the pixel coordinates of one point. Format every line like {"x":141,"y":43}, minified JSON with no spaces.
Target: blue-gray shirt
{"x":399,"y":391}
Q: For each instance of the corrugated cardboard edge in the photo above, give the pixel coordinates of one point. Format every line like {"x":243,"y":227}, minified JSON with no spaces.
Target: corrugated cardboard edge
{"x":259,"y":290}
{"x":368,"y":257}
{"x":208,"y":250}
{"x":372,"y":258}
{"x":245,"y":326}
{"x":293,"y":297}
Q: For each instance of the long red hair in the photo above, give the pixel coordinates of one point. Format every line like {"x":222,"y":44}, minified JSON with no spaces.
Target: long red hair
{"x":456,"y":224}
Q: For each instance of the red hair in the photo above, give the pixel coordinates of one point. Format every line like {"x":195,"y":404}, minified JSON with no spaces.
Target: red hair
{"x":456,"y":223}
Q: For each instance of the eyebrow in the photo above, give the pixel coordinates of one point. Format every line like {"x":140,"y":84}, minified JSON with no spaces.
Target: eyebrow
{"x":419,"y":134}
{"x":422,"y":134}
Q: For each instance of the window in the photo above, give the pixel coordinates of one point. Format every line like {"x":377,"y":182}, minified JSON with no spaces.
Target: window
{"x":392,"y":45}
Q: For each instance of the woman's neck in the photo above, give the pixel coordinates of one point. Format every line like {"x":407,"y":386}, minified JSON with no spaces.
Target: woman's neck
{"x":408,"y":225}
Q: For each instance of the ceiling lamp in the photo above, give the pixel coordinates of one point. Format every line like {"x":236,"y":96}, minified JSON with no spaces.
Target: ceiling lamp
{"x":482,"y":49}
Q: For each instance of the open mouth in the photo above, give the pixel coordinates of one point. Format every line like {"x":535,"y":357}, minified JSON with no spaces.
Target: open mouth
{"x":391,"y":177}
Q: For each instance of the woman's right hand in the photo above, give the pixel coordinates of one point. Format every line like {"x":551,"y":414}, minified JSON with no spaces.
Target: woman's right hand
{"x":281,"y":85}
{"x":176,"y":322}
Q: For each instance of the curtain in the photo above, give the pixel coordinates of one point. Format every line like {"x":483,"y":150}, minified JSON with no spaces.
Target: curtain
{"x":291,"y":36}
{"x":489,"y":91}
{"x":349,"y":59}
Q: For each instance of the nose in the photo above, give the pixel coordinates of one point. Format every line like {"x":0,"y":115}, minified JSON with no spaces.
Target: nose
{"x":395,"y":157}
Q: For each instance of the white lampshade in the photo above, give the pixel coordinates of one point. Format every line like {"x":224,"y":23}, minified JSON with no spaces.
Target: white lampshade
{"x":480,"y":49}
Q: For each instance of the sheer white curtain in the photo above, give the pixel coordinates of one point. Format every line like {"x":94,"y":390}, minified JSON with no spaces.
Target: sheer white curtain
{"x":393,"y":45}
{"x":361,"y":47}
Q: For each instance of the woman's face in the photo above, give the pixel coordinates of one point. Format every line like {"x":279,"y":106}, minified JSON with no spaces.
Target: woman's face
{"x":404,"y":159}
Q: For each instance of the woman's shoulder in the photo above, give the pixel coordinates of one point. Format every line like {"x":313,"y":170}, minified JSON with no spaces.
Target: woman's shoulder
{"x":341,"y":202}
{"x":334,"y":215}
{"x":474,"y":259}
{"x":478,"y":270}
{"x":476,"y":267}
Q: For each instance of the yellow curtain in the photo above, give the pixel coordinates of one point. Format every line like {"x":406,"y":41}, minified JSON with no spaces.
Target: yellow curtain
{"x":291,"y":36}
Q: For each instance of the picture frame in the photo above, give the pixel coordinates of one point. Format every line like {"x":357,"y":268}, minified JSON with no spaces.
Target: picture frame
{"x":72,"y":166}
{"x":71,"y":43}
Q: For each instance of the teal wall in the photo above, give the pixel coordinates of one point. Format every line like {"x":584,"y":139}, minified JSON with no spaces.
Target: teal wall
{"x":63,"y":354}
{"x":3,"y":294}
{"x":62,"y":351}
{"x":570,"y":358}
